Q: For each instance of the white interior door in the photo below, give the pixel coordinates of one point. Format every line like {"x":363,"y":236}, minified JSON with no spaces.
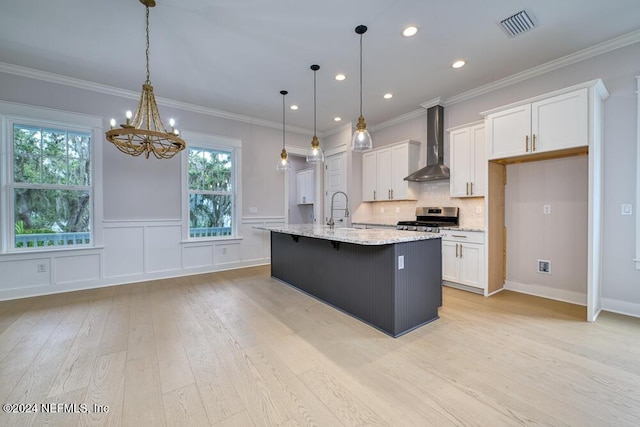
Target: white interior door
{"x":335,"y":174}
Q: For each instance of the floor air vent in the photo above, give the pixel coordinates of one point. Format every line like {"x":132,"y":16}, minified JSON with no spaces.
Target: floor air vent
{"x":517,"y":24}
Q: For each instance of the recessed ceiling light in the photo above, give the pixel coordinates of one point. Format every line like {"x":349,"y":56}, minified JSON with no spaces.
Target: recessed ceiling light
{"x":388,"y":96}
{"x":458,"y":64}
{"x":340,"y":77}
{"x":337,"y":119}
{"x":410,"y":31}
{"x":294,"y":107}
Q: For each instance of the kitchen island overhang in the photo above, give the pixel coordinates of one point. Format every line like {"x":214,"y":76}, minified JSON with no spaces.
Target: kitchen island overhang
{"x":391,"y":280}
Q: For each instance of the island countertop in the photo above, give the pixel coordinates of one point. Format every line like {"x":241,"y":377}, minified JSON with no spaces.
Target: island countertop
{"x":370,"y":236}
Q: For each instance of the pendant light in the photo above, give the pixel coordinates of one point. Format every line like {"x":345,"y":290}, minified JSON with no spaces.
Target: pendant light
{"x":145,"y":132}
{"x":283,"y":162}
{"x":315,"y":153}
{"x":361,"y":140}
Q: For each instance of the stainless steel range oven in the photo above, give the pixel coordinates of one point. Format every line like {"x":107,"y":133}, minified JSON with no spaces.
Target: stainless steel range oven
{"x":431,"y":219}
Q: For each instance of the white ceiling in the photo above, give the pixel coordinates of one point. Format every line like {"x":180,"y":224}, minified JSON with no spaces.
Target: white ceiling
{"x":236,"y":55}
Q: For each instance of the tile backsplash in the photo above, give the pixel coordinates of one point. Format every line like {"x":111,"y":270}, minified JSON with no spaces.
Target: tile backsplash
{"x":434,"y":193}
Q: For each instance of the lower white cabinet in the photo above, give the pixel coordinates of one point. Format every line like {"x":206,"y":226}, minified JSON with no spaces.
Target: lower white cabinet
{"x":463,"y":258}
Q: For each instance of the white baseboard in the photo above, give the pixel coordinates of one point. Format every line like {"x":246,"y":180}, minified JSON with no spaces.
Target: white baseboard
{"x":621,"y":307}
{"x":546,"y":292}
{"x":34,"y":291}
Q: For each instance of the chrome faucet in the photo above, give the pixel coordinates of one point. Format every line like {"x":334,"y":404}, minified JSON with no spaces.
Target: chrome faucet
{"x":331,"y":222}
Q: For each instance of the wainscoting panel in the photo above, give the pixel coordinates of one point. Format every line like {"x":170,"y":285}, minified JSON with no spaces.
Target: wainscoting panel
{"x":163,"y":251}
{"x":77,"y":268}
{"x":124,"y":251}
{"x":226,"y":253}
{"x":23,"y":273}
{"x":197,"y":256}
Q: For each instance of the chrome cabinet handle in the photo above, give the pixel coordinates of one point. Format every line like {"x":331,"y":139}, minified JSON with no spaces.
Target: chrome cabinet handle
{"x":392,"y":193}
{"x":374,"y":194}
{"x":389,"y":194}
{"x":526,"y":143}
{"x":458,"y":236}
{"x":471,"y":185}
{"x":467,"y":188}
{"x":456,"y":250}
{"x":460,"y":251}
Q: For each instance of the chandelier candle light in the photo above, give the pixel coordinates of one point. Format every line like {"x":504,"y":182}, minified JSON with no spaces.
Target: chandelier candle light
{"x":283,"y":162}
{"x":361,"y":140}
{"x":315,"y":153}
{"x":145,"y":132}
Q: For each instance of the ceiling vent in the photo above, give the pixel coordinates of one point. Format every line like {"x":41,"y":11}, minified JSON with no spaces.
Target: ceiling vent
{"x":517,"y":24}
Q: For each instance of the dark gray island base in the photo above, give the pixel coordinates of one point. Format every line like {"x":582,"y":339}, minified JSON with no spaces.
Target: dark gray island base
{"x":365,"y":281}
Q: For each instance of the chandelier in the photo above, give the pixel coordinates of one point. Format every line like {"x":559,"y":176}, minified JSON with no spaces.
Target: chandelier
{"x":145,"y":132}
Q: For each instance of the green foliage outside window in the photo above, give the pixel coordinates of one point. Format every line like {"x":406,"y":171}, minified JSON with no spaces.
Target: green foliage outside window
{"x":210,"y":191}
{"x":51,"y":182}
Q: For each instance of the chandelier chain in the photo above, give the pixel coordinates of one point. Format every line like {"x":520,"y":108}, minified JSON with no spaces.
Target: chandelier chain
{"x":148,"y":81}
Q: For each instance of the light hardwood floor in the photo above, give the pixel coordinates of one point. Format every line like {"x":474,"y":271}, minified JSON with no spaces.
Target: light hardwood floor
{"x":239,"y":348}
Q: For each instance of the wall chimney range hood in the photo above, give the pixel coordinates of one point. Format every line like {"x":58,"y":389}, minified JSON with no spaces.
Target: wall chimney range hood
{"x":435,"y":169}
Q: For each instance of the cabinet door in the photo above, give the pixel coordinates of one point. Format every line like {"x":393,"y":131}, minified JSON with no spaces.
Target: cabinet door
{"x":450,"y":261}
{"x":478,"y":172}
{"x":369,"y":172}
{"x":461,"y":153}
{"x":509,"y":132}
{"x":399,"y":169}
{"x":305,"y":188}
{"x":383,"y":186}
{"x":560,"y":122}
{"x":471,"y":265}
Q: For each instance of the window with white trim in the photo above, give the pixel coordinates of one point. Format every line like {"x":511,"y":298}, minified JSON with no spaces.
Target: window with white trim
{"x":49,"y":185}
{"x":211,"y":191}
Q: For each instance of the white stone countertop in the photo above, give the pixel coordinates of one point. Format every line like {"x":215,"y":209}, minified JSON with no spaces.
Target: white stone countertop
{"x":370,"y":236}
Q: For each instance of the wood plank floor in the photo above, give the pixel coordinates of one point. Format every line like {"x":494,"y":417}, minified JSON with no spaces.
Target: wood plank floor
{"x":239,"y":348}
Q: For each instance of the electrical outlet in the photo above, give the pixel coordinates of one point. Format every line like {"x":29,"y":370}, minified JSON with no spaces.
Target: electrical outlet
{"x":401,"y":262}
{"x":224,"y":251}
{"x":253,"y":210}
{"x":397,"y":209}
{"x":478,"y":209}
{"x":626,"y":209}
{"x":42,"y":268}
{"x":544,"y":266}
{"x":381,"y":209}
{"x":546,"y":209}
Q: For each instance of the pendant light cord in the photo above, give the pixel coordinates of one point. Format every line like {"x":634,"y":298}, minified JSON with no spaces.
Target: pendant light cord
{"x":148,"y":81}
{"x":283,"y":109}
{"x":361,"y":74}
{"x":314,"y":102}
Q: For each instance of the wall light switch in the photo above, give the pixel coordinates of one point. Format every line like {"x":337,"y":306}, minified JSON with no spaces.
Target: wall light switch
{"x":626,"y":209}
{"x":253,"y":210}
{"x":546,"y":209}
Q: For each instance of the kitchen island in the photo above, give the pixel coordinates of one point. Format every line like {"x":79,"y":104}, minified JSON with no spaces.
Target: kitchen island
{"x":390,"y":279}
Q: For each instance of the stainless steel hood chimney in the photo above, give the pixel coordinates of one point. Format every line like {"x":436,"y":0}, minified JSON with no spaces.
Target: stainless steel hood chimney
{"x":435,"y":169}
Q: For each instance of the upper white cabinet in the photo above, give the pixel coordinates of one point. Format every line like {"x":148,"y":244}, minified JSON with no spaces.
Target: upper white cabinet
{"x":305,"y":187}
{"x":384,"y":169}
{"x":468,"y":160}
{"x":555,"y":123}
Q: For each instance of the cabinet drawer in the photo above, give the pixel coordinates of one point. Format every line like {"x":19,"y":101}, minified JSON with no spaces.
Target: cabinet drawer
{"x":462,"y":236}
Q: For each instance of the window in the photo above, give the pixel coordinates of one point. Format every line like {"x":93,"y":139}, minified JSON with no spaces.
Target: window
{"x":50,"y":185}
{"x":211,"y":191}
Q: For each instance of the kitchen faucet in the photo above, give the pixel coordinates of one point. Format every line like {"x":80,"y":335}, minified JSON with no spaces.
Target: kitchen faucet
{"x":331,"y":222}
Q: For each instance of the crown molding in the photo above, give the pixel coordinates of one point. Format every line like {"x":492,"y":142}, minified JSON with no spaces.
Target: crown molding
{"x":336,"y":130}
{"x":129,"y":94}
{"x":581,"y":55}
{"x":433,"y":102}
{"x":399,"y":119}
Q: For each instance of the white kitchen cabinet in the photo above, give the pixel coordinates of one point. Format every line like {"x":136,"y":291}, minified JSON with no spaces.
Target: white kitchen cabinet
{"x":556,"y":123}
{"x":468,"y":161}
{"x":304,"y":187}
{"x":463,"y":258}
{"x":384,"y":169}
